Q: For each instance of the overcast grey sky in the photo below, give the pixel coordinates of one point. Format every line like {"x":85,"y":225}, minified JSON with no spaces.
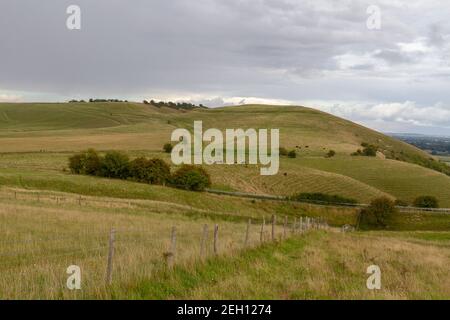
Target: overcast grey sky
{"x":318,"y":53}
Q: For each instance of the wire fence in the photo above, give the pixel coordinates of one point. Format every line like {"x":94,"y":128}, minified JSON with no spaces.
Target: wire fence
{"x":322,"y":203}
{"x":105,"y":244}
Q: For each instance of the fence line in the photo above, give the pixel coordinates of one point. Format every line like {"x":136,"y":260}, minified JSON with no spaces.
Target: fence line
{"x":320,"y":203}
{"x":171,"y":255}
{"x":134,"y":202}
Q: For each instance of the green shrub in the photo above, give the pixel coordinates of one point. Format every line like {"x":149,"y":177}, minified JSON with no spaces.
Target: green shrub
{"x":87,"y":162}
{"x":401,"y":203}
{"x":168,"y":148}
{"x":426,"y":202}
{"x":283,"y":151}
{"x":115,"y":164}
{"x":153,"y":171}
{"x":292,"y":154}
{"x":369,"y":150}
{"x":376,"y":215}
{"x":331,"y":154}
{"x":191,"y":178}
{"x":322,"y":198}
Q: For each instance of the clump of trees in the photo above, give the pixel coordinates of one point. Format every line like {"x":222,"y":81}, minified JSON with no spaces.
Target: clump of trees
{"x":173,"y":105}
{"x":369,"y":150}
{"x":191,"y":178}
{"x":426,"y":202}
{"x":106,"y":100}
{"x":377,"y":214}
{"x":117,"y":165}
{"x":322,"y":198}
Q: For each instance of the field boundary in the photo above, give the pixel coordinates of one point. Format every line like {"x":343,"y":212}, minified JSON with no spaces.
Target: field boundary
{"x":320,"y":203}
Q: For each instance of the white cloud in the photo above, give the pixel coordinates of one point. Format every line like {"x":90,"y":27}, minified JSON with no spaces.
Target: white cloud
{"x":10,"y":98}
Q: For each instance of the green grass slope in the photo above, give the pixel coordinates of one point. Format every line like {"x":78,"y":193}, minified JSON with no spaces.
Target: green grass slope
{"x":38,"y":139}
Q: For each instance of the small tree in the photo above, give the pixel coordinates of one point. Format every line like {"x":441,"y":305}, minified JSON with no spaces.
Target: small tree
{"x":76,"y":163}
{"x":115,"y":164}
{"x":191,"y":178}
{"x":377,"y":213}
{"x":168,"y":148}
{"x":426,"y":202}
{"x":87,"y":162}
{"x":153,"y":171}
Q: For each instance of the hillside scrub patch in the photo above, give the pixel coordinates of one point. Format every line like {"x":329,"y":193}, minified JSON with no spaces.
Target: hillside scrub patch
{"x":330,"y":154}
{"x":115,"y":164}
{"x":86,"y":162}
{"x":152,"y":171}
{"x":192,"y":178}
{"x":292,"y":154}
{"x":283,"y":151}
{"x":426,"y":202}
{"x":369,"y":150}
{"x":322,"y":198}
{"x":168,"y":148}
{"x":376,"y":215}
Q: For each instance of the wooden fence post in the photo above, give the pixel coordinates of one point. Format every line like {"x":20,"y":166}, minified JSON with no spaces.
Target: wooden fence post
{"x":216,"y":239}
{"x":261,"y":235}
{"x":300,"y":225}
{"x":294,"y":225}
{"x":285,"y":226}
{"x":109,"y":268}
{"x":247,"y":232}
{"x":79,"y":200}
{"x":203,"y":242}
{"x":173,"y":247}
{"x":15,"y":195}
{"x":274,"y":220}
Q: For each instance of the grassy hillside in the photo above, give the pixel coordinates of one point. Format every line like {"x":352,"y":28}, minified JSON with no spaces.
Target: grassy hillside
{"x":50,"y":219}
{"x":40,"y":137}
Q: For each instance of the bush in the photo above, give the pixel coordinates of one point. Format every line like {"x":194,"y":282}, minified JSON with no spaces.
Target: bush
{"x":153,"y":171}
{"x":76,"y":163}
{"x":168,"y":148}
{"x":191,"y":178}
{"x":87,"y":162}
{"x":283,"y":151}
{"x":377,"y":213}
{"x":401,"y":203}
{"x":331,"y":154}
{"x":426,"y":202}
{"x":369,"y":150}
{"x":292,"y":154}
{"x":323,"y":198}
{"x":115,"y":165}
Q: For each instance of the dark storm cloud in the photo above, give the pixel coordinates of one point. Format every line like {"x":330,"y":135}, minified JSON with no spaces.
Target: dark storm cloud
{"x":209,"y":50}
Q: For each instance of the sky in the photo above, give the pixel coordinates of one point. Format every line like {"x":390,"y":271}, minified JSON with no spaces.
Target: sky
{"x":388,"y":69}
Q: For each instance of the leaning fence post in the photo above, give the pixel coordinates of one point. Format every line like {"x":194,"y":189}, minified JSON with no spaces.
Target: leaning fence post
{"x":109,"y":269}
{"x":203,"y":242}
{"x":274,"y":220}
{"x":173,"y":247}
{"x":216,"y":239}
{"x":261,"y":235}
{"x":247,"y":232}
{"x":285,"y":226}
